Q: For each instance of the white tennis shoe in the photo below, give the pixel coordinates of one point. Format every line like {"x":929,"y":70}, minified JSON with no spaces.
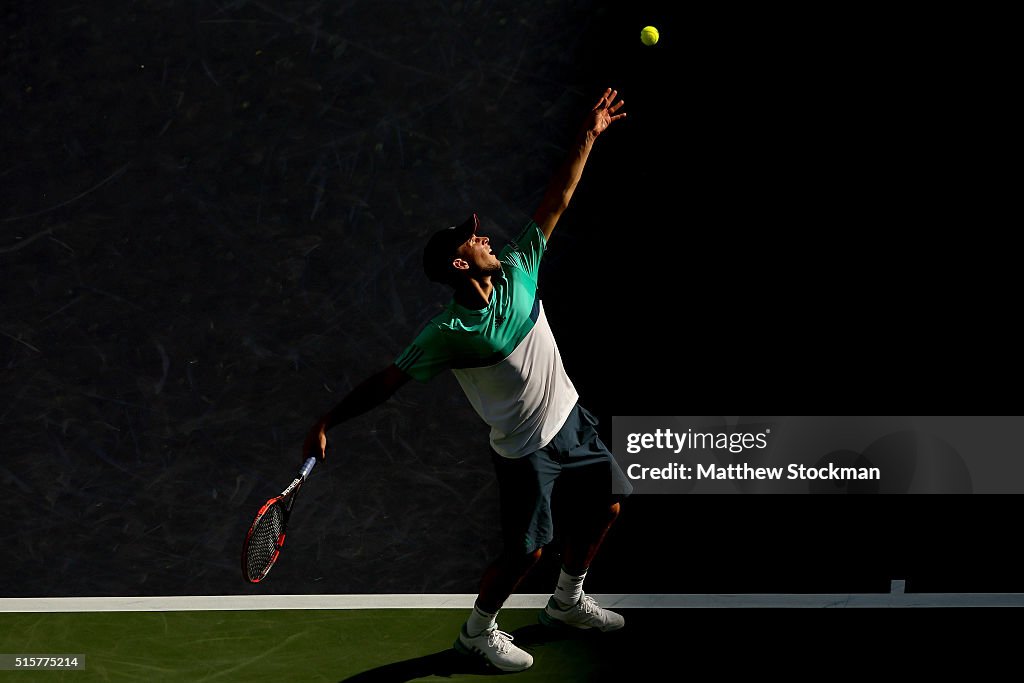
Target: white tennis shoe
{"x":496,"y":647}
{"x":585,"y":614}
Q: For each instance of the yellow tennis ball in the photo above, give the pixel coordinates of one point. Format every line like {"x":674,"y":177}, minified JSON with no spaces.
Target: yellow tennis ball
{"x":649,"y":35}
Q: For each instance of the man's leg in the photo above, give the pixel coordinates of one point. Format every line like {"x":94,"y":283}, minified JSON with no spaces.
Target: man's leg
{"x":569,"y":605}
{"x":592,"y":484}
{"x":480,"y":634}
{"x":524,"y":486}
{"x":582,"y":546}
{"x":501,"y":578}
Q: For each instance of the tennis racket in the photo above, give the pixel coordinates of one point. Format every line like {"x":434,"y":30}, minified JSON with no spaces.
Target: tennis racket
{"x":263,"y":543}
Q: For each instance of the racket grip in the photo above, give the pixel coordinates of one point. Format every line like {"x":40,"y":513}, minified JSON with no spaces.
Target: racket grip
{"x":307,"y":467}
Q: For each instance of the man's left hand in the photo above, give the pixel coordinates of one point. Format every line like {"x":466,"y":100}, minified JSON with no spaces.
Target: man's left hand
{"x":604,"y":113}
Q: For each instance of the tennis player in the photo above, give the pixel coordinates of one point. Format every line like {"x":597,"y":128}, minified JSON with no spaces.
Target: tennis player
{"x":495,"y":338}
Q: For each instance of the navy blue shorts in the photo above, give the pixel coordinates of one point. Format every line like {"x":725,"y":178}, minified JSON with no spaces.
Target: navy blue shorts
{"x":576,"y":471}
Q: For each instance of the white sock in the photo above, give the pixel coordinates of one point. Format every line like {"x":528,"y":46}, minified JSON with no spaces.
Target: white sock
{"x":479,"y":621}
{"x":569,"y":589}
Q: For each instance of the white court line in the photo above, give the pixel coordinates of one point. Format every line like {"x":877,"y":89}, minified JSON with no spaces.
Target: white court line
{"x":531,"y":601}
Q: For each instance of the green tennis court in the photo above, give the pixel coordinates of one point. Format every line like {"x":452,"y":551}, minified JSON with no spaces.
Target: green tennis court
{"x":415,"y":644}
{"x":286,"y":645}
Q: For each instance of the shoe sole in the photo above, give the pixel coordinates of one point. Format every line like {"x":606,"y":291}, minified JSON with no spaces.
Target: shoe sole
{"x":462,"y":649}
{"x":548,"y":620}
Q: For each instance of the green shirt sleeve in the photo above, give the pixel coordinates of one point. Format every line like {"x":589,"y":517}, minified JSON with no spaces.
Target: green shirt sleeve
{"x":526,"y":250}
{"x":427,"y":356}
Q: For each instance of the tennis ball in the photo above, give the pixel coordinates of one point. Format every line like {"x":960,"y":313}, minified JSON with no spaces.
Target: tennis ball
{"x":649,"y":35}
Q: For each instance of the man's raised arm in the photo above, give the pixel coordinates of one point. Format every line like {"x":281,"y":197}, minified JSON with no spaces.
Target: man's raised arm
{"x":563,"y":184}
{"x":369,"y":394}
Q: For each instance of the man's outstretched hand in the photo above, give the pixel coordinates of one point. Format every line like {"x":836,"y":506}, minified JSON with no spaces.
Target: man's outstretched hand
{"x":604,"y":113}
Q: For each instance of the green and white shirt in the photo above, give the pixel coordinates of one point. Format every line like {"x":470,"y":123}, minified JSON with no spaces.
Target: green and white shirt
{"x":504,"y":355}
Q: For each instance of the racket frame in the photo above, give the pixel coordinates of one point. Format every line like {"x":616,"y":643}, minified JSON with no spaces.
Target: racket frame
{"x":286,"y":499}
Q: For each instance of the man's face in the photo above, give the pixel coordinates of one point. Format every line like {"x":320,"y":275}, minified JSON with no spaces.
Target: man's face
{"x":476,"y":256}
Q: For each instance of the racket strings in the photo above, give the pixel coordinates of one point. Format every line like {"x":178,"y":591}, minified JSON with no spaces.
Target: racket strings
{"x":263,"y":543}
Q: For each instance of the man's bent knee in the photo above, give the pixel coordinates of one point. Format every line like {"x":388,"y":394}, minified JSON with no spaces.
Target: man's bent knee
{"x":531,"y":558}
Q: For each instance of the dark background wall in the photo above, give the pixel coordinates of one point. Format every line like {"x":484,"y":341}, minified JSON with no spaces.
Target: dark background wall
{"x":212,"y":216}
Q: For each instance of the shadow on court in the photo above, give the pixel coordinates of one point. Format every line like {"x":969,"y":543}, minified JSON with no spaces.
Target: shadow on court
{"x":571,"y":648}
{"x":656,"y":643}
{"x":444,"y":663}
